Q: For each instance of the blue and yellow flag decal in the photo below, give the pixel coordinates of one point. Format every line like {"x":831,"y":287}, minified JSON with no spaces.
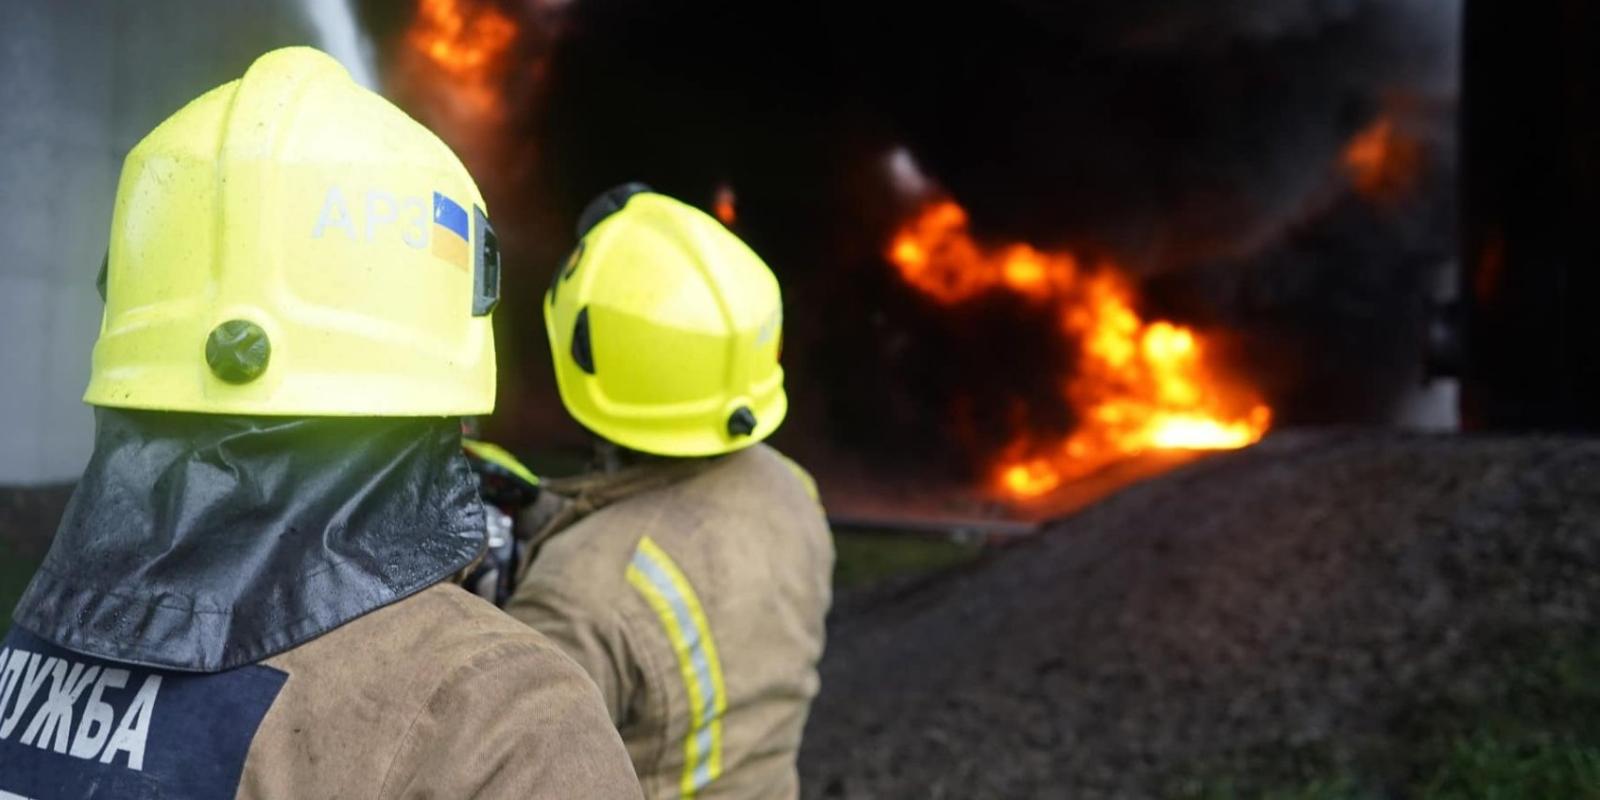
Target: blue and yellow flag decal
{"x":450,"y":236}
{"x":665,"y":588}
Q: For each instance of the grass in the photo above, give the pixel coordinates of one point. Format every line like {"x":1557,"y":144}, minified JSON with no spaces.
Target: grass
{"x":1535,"y":735}
{"x":869,"y":557}
{"x":15,"y":572}
{"x":1495,"y":768}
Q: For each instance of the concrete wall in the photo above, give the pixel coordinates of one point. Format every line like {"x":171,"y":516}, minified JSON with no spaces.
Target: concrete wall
{"x":80,"y":83}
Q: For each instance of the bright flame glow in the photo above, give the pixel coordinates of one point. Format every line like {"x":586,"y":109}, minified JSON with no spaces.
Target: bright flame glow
{"x":1029,"y":478}
{"x":468,"y":42}
{"x":1135,"y":386}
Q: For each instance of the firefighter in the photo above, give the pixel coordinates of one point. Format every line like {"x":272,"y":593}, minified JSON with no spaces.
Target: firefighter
{"x":245,"y":597}
{"x":689,"y":573}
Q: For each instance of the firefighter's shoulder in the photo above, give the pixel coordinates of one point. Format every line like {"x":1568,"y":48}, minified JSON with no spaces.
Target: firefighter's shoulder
{"x":449,"y":692}
{"x":587,"y":563}
{"x":419,"y":642}
{"x":767,"y":453}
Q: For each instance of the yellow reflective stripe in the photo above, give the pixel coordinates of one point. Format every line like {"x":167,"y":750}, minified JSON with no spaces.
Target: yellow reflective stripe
{"x":495,"y":454}
{"x":653,"y":574}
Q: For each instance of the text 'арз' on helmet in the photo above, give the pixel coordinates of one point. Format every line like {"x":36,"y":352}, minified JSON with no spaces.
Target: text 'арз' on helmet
{"x":290,"y":243}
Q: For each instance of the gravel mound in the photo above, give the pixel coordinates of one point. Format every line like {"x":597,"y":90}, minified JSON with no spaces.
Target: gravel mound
{"x":1301,"y":594}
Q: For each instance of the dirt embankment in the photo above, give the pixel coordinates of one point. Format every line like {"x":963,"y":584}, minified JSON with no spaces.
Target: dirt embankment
{"x":1304,"y":596}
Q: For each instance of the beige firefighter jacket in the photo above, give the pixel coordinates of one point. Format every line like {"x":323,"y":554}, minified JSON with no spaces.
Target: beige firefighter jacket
{"x":693,"y":592}
{"x":436,"y":696}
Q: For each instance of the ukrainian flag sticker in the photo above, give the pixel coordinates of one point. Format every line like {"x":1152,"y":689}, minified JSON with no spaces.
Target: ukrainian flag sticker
{"x":450,"y":238}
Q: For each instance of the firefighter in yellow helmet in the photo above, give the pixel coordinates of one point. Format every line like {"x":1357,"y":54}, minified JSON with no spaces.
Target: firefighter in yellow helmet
{"x":689,"y":574}
{"x":247,"y":597}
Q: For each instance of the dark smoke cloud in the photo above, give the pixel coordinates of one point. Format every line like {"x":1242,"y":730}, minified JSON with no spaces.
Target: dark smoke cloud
{"x":1166,"y":133}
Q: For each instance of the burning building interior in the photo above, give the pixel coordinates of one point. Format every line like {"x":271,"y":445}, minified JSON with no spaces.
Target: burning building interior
{"x":1202,"y":394}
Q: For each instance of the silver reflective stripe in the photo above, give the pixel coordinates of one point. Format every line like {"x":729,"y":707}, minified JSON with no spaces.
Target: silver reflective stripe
{"x":691,"y":631}
{"x":653,"y":574}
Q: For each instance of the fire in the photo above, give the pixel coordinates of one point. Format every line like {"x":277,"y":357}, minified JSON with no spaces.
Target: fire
{"x":1137,"y":385}
{"x":935,"y":255}
{"x":467,"y":41}
{"x":725,"y":204}
{"x":1030,"y":478}
{"x":1382,"y":161}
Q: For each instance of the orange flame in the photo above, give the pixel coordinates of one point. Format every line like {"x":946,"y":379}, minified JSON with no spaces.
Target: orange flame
{"x":1136,"y":386}
{"x":1382,"y":161}
{"x":468,"y":42}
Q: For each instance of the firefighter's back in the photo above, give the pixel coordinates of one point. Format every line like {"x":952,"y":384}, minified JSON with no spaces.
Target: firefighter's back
{"x":699,"y":607}
{"x":690,"y":576}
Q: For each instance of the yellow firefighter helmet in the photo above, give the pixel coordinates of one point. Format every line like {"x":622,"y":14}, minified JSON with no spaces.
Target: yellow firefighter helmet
{"x":290,"y":243}
{"x":665,"y":329}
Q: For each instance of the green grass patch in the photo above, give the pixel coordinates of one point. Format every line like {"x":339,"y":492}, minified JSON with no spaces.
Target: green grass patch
{"x":15,"y":572}
{"x":1510,"y":768}
{"x":870,"y":557}
{"x":1526,"y":728}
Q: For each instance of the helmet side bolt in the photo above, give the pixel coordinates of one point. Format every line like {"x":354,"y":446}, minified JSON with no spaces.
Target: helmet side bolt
{"x":238,"y":351}
{"x":742,"y":422}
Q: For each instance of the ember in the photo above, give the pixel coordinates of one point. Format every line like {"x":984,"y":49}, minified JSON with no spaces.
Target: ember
{"x":1136,"y":385}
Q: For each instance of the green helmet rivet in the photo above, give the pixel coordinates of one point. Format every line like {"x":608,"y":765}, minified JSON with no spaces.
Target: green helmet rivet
{"x":238,"y":351}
